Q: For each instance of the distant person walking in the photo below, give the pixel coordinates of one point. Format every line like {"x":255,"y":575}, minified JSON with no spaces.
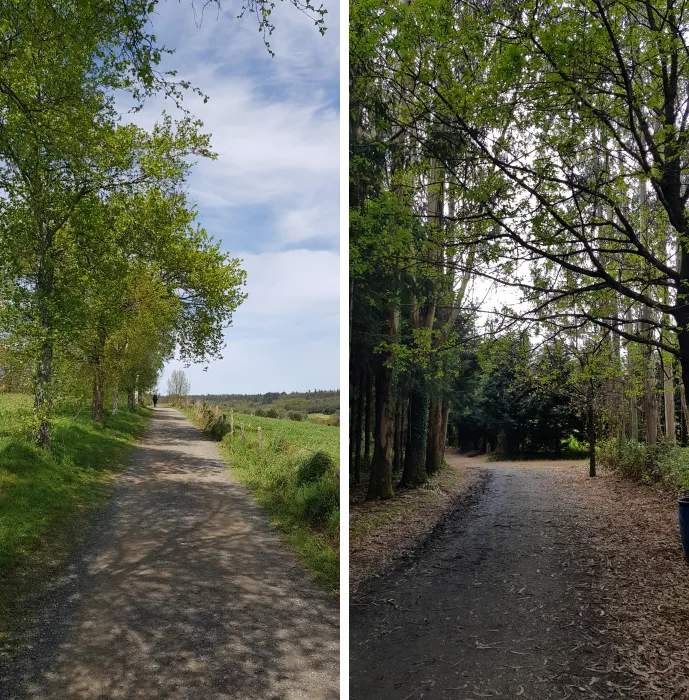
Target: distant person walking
{"x":155,"y":400}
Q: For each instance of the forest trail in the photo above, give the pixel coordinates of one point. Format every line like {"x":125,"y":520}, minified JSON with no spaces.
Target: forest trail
{"x":183,"y":591}
{"x":501,"y":602}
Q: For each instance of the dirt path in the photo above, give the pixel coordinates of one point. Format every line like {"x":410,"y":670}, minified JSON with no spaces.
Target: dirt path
{"x":508,"y":599}
{"x":183,"y":592}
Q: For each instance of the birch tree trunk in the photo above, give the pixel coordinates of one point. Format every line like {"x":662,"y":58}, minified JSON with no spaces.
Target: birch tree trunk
{"x":97,"y":399}
{"x":43,"y":376}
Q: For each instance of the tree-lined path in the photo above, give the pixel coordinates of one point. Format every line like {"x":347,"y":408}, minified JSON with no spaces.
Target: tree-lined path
{"x":531,"y":589}
{"x":183,"y":591}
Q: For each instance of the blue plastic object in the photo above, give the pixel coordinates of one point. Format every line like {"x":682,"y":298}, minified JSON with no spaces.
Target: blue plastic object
{"x":683,"y":507}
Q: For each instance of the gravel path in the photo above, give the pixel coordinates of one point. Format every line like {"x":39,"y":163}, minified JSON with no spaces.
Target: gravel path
{"x":183,"y":592}
{"x":494,"y":605}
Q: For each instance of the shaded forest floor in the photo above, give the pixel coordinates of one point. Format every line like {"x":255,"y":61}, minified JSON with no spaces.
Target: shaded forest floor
{"x":381,"y":533}
{"x":540,"y":583}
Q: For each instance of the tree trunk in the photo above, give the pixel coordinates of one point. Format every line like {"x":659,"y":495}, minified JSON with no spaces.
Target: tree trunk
{"x":415,"y":456}
{"x":97,"y":400}
{"x":683,"y":341}
{"x":399,"y":426}
{"x":443,"y":430}
{"x":650,"y":409}
{"x":380,"y":484}
{"x":43,"y":399}
{"x":130,"y":399}
{"x":354,"y":374}
{"x":433,"y":448}
{"x":631,"y":369}
{"x":115,"y":400}
{"x":43,"y":378}
{"x":358,"y":427}
{"x":669,"y":399}
{"x":591,"y":429}
{"x":684,"y":421}
{"x":650,"y":400}
{"x":368,"y":418}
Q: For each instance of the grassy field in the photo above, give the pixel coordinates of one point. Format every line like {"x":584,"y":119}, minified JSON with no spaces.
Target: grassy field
{"x":320,"y":418}
{"x":46,"y":499}
{"x":299,"y":491}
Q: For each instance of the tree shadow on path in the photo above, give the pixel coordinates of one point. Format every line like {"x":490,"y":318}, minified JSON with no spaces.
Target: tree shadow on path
{"x":183,"y":591}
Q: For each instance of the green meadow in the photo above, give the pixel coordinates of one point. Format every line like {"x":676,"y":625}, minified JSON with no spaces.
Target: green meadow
{"x":46,"y":498}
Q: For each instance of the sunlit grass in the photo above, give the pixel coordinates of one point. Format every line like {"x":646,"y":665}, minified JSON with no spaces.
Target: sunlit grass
{"x":306,"y":514}
{"x":46,"y":498}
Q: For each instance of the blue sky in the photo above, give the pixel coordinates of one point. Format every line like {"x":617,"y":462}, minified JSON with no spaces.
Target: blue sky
{"x":272,"y":196}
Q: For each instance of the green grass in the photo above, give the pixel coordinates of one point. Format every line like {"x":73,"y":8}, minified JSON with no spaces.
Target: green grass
{"x":46,"y":499}
{"x":663,"y":465}
{"x":304,"y":508}
{"x":320,"y":418}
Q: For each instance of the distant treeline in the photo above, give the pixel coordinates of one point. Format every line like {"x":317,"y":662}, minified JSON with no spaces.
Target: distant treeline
{"x":326,"y":401}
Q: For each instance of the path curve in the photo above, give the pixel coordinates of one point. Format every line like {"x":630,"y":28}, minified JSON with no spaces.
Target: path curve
{"x":184,"y":592}
{"x":494,"y":605}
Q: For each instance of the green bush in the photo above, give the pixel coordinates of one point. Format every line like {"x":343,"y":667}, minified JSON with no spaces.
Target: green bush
{"x":334,"y":420}
{"x":663,"y":464}
{"x":295,"y":415}
{"x":320,"y":500}
{"x":271,"y":413}
{"x":217,"y":430}
{"x":314,"y":468}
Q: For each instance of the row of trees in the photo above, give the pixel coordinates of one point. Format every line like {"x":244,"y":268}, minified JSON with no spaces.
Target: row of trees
{"x":316,"y":401}
{"x":104,"y":272}
{"x":539,"y":148}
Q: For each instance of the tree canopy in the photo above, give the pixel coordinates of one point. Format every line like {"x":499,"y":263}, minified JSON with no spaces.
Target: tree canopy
{"x":105,"y":272}
{"x":538,"y":147}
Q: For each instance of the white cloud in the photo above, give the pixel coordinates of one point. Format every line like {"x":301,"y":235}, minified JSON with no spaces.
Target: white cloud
{"x":274,"y":186}
{"x":307,"y":224}
{"x":297,"y":286}
{"x":285,"y":336}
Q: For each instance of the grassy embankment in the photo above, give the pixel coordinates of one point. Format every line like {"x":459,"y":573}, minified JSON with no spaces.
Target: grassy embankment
{"x":296,"y":487}
{"x":663,"y":465}
{"x":46,"y":499}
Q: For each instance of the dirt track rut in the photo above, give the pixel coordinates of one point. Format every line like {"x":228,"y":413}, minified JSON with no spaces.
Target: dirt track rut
{"x":495,"y":604}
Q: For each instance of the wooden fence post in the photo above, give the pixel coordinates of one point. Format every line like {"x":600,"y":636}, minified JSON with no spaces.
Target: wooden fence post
{"x":260,"y":438}
{"x":224,"y":419}
{"x":232,"y":421}
{"x":243,"y":437}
